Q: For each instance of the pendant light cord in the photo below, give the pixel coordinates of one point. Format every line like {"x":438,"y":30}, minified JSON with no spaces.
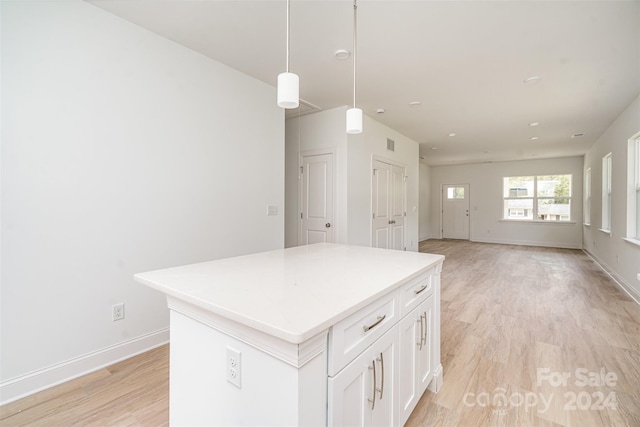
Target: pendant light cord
{"x":355,"y":48}
{"x":288,"y":6}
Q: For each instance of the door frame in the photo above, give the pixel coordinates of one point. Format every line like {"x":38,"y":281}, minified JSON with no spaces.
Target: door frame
{"x":301,"y":156}
{"x":388,"y":161}
{"x":442,"y":207}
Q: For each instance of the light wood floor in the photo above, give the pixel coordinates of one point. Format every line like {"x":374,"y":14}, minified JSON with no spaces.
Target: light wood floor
{"x":507,"y":312}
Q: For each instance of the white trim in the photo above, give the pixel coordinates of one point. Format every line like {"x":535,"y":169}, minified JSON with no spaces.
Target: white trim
{"x":604,"y":230}
{"x":627,"y":288}
{"x":632,"y":241}
{"x":535,"y":221}
{"x":530,"y":243}
{"x":33,"y":382}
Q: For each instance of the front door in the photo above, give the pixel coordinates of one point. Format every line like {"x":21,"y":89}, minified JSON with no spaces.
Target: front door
{"x":316,"y":210}
{"x":455,"y":211}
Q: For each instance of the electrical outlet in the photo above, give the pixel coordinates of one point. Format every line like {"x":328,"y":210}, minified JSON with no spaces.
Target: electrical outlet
{"x":117,"y":312}
{"x":234,"y":366}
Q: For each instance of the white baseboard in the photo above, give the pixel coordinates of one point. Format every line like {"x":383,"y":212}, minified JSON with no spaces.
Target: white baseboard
{"x":33,"y":382}
{"x":530,"y":243}
{"x":626,"y":287}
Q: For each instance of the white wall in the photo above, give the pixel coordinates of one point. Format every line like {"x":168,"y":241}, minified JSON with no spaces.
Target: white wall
{"x":424,"y":224}
{"x":122,"y":152}
{"x":619,"y":257}
{"x":319,"y":131}
{"x":362,"y":148}
{"x":485,"y":181}
{"x":354,"y":162}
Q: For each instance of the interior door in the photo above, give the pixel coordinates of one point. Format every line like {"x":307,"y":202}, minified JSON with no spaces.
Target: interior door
{"x":455,"y":211}
{"x":381,"y":195}
{"x":316,"y":211}
{"x":388,"y":205}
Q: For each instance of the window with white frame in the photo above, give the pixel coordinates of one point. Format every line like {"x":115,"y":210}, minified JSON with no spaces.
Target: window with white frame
{"x":537,"y":198}
{"x":637,"y":192}
{"x":633,"y":224}
{"x":607,"y":164}
{"x":587,"y":196}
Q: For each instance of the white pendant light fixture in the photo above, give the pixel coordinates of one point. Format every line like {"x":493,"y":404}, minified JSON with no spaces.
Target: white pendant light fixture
{"x":288,"y":83}
{"x":354,"y":115}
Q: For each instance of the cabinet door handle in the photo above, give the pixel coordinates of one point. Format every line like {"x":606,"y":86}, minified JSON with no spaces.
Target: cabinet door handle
{"x":421,"y":333}
{"x":367,"y":328}
{"x":421,"y":289}
{"x":373,"y":401}
{"x":381,"y":389}
{"x":423,"y":339}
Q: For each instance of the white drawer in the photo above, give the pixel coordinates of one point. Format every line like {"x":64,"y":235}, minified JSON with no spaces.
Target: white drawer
{"x":349,"y":337}
{"x":414,"y":292}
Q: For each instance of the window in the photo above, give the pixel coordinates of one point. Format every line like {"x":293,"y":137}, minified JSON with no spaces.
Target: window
{"x":637,"y":192}
{"x":537,"y":198}
{"x":455,"y":193}
{"x":587,"y":196}
{"x":606,"y":192}
{"x":633,"y":215}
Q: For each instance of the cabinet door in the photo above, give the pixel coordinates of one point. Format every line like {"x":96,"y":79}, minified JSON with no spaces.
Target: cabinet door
{"x":364,"y":393}
{"x":385,"y":354}
{"x":425,"y":354}
{"x":348,"y":393}
{"x":411,"y":334}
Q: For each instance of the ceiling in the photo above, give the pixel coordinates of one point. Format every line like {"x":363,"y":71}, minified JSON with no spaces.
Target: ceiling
{"x":466,"y":62}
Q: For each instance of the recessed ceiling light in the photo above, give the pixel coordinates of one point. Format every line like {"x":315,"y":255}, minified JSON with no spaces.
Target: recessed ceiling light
{"x":380,"y":111}
{"x":577,"y":135}
{"x":452,"y":134}
{"x":532,"y":80}
{"x":533,"y":138}
{"x":532,"y":124}
{"x":415,"y":103}
{"x":342,"y":54}
{"x":434,"y":148}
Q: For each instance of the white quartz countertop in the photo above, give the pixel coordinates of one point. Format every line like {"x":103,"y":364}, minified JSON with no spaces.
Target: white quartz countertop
{"x":293,"y":293}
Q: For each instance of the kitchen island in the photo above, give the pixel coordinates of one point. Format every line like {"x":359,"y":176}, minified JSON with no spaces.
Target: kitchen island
{"x":324,"y":334}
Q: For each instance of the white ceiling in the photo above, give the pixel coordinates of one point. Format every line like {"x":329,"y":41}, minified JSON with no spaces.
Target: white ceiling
{"x":466,"y":61}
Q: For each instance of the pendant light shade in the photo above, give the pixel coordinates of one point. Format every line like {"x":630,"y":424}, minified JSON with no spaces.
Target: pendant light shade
{"x":354,"y":120}
{"x":288,"y":90}
{"x":354,"y":115}
{"x":288,"y":83}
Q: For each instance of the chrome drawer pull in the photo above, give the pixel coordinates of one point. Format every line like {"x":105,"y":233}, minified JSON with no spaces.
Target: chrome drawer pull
{"x":367,"y":328}
{"x":421,"y":333}
{"x":421,"y":289}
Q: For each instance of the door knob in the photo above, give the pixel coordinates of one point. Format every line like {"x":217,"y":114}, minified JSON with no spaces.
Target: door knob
{"x":328,"y":225}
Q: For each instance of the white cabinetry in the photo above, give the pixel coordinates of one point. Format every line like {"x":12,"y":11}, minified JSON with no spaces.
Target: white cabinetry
{"x":416,"y":356}
{"x":328,"y":335}
{"x":364,"y":392}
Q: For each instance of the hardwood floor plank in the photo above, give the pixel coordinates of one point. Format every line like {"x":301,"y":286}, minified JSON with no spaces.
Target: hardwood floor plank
{"x":506,"y":312}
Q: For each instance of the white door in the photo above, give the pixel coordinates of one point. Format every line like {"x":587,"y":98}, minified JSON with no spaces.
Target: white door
{"x":455,"y":211}
{"x":388,"y":201}
{"x":316,"y":210}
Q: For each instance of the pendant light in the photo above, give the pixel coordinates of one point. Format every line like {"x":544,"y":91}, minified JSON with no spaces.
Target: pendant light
{"x":288,"y":83}
{"x":354,"y":115}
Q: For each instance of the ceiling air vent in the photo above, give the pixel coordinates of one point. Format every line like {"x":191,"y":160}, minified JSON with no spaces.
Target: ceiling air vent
{"x":304,"y":108}
{"x":391,"y":145}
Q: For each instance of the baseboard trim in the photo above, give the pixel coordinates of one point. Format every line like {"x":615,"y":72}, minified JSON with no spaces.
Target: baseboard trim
{"x":42,"y":379}
{"x":622,"y":284}
{"x":530,"y":243}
